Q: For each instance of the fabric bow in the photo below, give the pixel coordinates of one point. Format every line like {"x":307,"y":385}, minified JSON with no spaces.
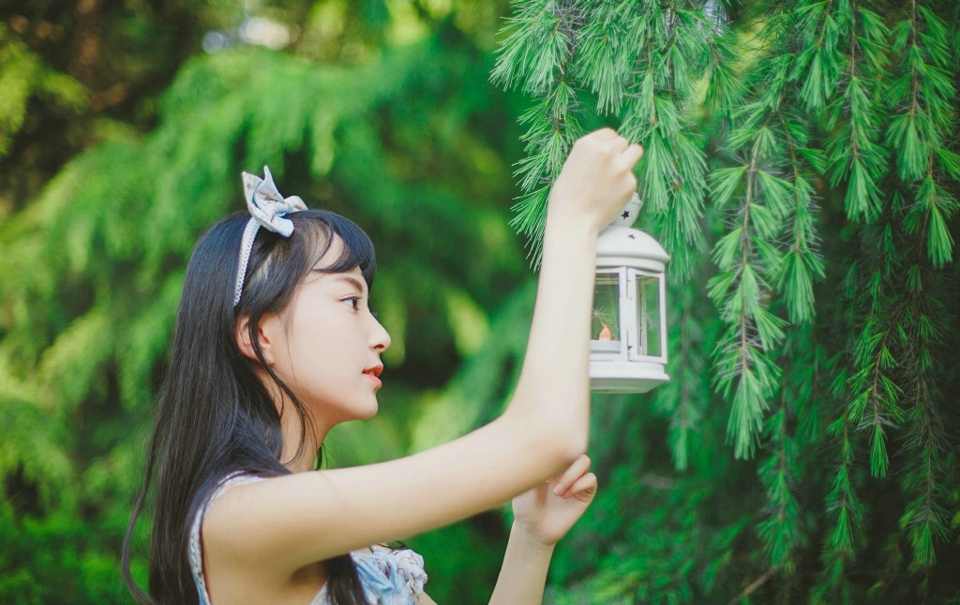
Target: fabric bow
{"x":267,"y":209}
{"x":391,"y":577}
{"x":267,"y":205}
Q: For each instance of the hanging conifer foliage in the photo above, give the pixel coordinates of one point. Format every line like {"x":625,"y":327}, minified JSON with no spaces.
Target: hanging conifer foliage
{"x":801,"y":169}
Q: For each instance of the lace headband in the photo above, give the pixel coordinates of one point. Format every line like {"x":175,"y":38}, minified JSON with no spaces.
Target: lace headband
{"x":267,"y":209}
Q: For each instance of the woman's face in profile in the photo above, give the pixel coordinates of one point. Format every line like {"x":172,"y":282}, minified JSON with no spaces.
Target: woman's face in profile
{"x":326,"y":344}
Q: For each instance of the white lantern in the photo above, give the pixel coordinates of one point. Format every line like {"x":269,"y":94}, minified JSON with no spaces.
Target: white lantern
{"x":628,"y":346}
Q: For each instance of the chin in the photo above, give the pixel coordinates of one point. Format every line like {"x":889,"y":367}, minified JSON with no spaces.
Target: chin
{"x":370,"y":412}
{"x":366,"y":410}
{"x":340,"y":411}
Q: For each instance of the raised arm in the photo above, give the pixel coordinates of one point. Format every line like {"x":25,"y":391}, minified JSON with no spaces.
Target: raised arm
{"x":294,"y":520}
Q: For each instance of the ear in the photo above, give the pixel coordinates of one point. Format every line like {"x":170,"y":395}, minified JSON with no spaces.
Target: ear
{"x":245,"y":343}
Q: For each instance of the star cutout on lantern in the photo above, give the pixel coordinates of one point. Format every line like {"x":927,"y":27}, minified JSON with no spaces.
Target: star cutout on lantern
{"x":626,"y":214}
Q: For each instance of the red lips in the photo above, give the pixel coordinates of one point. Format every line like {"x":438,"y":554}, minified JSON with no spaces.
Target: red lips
{"x":375,"y":370}
{"x":373,"y":374}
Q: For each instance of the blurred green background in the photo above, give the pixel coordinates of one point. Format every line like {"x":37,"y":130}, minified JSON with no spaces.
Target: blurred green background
{"x":124,"y":125}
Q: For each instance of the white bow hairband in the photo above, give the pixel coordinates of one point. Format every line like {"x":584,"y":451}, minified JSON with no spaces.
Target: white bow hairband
{"x":267,"y":208}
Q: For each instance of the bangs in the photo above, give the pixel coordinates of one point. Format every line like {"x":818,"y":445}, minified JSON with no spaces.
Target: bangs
{"x":357,"y":250}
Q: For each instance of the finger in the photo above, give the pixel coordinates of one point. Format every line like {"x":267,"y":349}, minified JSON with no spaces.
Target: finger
{"x":583,"y":488}
{"x":619,"y":144}
{"x":604,"y":134}
{"x":574,"y":472}
{"x":632,"y":154}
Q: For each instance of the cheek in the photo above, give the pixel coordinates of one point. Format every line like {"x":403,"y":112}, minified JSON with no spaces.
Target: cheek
{"x":321,"y":354}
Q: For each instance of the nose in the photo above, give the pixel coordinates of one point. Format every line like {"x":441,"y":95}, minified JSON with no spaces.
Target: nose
{"x":380,"y":338}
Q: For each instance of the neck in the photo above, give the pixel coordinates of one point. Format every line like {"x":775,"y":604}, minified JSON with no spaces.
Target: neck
{"x":312,"y":439}
{"x":291,"y":430}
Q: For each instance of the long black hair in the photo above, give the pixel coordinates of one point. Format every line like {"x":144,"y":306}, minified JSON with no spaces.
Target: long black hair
{"x":214,"y":416}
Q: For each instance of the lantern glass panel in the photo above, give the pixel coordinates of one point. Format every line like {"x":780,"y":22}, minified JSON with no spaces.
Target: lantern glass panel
{"x":648,"y":315}
{"x":605,"y":318}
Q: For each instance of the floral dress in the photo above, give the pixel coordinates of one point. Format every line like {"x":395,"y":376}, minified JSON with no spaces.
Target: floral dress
{"x":388,"y":577}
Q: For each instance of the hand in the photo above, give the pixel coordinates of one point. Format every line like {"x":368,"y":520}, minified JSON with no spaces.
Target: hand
{"x":597,"y":179}
{"x":549,"y":510}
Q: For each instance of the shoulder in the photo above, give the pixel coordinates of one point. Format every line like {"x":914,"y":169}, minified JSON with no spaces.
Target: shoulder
{"x":226,"y":491}
{"x":217,"y":517}
{"x":199,"y":537}
{"x":223,"y":487}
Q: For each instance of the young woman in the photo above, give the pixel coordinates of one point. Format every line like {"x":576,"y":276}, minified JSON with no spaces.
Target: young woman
{"x":275,"y":344}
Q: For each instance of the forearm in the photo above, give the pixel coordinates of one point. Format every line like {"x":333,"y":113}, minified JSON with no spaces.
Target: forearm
{"x":554,"y":381}
{"x":524,"y":571}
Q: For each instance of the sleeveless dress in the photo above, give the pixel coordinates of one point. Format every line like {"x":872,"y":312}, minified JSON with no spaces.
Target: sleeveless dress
{"x":388,"y":577}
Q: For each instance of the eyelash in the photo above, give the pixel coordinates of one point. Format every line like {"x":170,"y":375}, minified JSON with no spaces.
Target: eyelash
{"x":356,"y":304}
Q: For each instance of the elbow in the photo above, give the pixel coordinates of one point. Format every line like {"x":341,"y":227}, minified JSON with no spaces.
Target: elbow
{"x":560,"y":447}
{"x":572,"y":447}
{"x":555,"y":427}
{"x":550,"y":446}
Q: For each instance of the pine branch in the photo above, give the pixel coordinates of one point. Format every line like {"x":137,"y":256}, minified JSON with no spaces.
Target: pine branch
{"x":843,"y":538}
{"x":920,"y":100}
{"x":752,"y":587}
{"x":802,"y":263}
{"x":745,"y":372}
{"x":674,"y":53}
{"x":926,"y":519}
{"x":923,"y":112}
{"x":874,"y":406}
{"x":686,"y":397}
{"x":874,"y":403}
{"x":854,"y":152}
{"x":538,"y":56}
{"x":642,"y":59}
{"x":829,"y":102}
{"x":748,"y":254}
{"x":782,"y":530}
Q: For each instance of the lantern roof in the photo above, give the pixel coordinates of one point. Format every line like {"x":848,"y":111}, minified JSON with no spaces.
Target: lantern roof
{"x":619,"y":246}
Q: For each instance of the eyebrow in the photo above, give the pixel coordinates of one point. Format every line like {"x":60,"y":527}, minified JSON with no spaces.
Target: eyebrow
{"x":356,"y":283}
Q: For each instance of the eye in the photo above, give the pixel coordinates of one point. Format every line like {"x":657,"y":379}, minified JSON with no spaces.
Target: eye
{"x":354,"y":302}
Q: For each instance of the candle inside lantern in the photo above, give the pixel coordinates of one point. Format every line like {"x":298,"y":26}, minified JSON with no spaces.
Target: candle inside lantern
{"x":604,"y":333}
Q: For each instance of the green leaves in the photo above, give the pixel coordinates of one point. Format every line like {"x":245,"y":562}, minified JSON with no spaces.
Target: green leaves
{"x":724,"y":181}
{"x":24,"y":77}
{"x":92,"y":269}
{"x":607,"y":51}
{"x":824,"y":133}
{"x":535,"y":49}
{"x":537,"y":57}
{"x":638,"y":62}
